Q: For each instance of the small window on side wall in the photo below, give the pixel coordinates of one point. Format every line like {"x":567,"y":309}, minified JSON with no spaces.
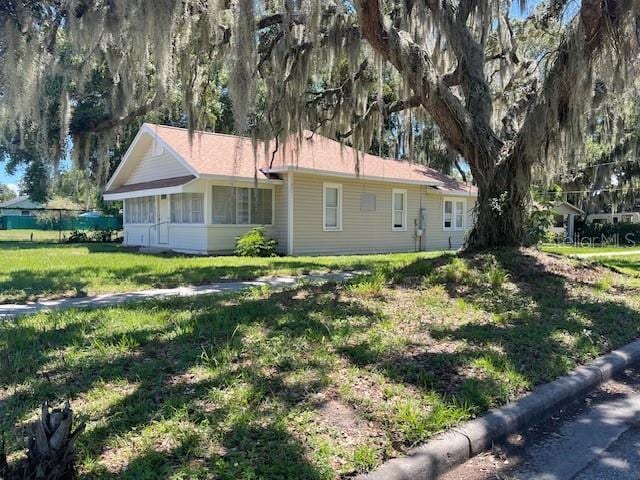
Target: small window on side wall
{"x":399,"y":219}
{"x":332,"y":207}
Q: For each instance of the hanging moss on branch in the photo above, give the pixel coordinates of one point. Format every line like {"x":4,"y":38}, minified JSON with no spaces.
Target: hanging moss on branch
{"x":358,"y":71}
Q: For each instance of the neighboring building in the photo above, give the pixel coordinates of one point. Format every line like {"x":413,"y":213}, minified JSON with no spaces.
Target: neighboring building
{"x":198,"y":195}
{"x":19,"y":206}
{"x":620,"y":217}
{"x":565,"y":218}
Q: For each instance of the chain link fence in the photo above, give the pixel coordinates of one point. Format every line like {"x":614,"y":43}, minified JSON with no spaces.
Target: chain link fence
{"x":57,"y":225}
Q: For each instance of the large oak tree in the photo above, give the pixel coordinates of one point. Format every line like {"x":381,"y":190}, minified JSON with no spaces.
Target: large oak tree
{"x":327,"y":66}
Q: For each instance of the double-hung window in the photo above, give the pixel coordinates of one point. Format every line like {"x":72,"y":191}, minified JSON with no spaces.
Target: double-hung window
{"x":453,"y":215}
{"x":187,"y":208}
{"x":399,"y":210}
{"x":332,"y":207}
{"x":241,"y":206}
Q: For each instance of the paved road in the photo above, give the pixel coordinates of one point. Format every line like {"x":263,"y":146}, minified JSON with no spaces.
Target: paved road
{"x":11,"y":310}
{"x":595,"y":439}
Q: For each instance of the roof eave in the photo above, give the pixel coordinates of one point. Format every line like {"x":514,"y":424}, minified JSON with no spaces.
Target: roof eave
{"x":142,"y":193}
{"x":234,"y":178}
{"x":329,"y":173}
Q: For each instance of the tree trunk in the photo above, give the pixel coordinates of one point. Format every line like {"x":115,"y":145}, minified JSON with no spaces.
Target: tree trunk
{"x":503,"y":197}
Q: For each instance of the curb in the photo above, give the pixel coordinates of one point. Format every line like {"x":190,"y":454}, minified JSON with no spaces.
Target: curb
{"x":457,"y":445}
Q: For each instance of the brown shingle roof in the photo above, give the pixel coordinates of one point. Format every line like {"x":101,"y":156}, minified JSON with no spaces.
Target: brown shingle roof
{"x":163,"y":183}
{"x":233,"y":156}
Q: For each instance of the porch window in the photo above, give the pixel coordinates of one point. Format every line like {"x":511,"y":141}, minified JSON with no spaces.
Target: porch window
{"x":399,"y":220}
{"x":187,"y":208}
{"x":453,"y":215}
{"x":242,"y":206}
{"x":140,"y":210}
{"x":332,"y":201}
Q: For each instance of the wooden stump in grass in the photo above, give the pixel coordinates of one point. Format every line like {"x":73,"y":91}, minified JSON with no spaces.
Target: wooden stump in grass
{"x":50,"y":448}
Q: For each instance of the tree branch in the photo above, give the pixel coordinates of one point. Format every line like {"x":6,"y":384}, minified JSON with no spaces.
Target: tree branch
{"x":598,"y":21}
{"x":414,"y":64}
{"x":121,"y":119}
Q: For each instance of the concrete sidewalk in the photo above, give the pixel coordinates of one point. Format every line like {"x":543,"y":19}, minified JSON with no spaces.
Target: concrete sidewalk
{"x":604,"y":254}
{"x":11,"y":310}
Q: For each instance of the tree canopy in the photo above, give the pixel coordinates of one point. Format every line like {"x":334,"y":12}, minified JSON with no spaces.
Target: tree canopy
{"x":511,"y":96}
{"x":6,"y":193}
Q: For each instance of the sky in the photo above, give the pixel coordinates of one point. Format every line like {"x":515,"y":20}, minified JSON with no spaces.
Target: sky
{"x":12,"y":180}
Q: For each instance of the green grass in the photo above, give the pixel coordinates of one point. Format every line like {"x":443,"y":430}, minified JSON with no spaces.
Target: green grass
{"x":27,"y":235}
{"x":40,"y":270}
{"x":577,"y":250}
{"x":316,"y":382}
{"x":628,"y":265}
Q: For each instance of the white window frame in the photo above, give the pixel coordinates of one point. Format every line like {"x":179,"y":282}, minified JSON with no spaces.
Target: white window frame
{"x":135,"y":209}
{"x":403,"y":228}
{"x":251,"y":189}
{"x":454,"y":202}
{"x":325,"y":228}
{"x":191,"y":211}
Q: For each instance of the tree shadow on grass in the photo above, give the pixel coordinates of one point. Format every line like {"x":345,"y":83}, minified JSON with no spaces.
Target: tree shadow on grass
{"x":273,"y":379}
{"x":527,"y":337}
{"x":241,"y":373}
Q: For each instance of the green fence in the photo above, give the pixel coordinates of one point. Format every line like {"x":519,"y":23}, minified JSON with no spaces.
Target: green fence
{"x":62,"y":222}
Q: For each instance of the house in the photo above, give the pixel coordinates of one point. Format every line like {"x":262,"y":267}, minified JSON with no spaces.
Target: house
{"x":197,"y":195}
{"x":19,"y":206}
{"x":620,"y":217}
{"x":565,"y":218}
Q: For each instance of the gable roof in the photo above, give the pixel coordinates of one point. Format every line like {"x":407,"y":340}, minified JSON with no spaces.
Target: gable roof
{"x":570,"y":206}
{"x":16,"y":201}
{"x":219,"y":155}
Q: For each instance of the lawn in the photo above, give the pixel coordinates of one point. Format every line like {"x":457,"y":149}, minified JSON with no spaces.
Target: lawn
{"x":628,"y":265}
{"x":315,"y":382}
{"x":27,"y":235}
{"x":31,"y":270}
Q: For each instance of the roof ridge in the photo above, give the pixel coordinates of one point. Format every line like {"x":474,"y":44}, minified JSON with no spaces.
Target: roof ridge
{"x":342,"y":145}
{"x":218,"y":134}
{"x":11,"y":201}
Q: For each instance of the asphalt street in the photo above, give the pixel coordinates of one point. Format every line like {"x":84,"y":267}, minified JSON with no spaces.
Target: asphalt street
{"x":597,"y":438}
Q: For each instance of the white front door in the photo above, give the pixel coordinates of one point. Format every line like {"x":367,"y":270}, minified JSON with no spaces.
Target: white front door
{"x":163,"y":219}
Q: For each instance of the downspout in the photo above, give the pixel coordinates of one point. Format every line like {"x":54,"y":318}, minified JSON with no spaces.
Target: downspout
{"x":421,"y":220}
{"x":290,"y":213}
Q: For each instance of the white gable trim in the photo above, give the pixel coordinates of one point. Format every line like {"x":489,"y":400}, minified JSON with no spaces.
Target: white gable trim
{"x":147,"y":129}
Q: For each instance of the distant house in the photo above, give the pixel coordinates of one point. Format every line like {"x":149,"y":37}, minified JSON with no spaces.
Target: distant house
{"x":19,"y":206}
{"x":620,"y":217}
{"x":198,"y":195}
{"x":565,"y":218}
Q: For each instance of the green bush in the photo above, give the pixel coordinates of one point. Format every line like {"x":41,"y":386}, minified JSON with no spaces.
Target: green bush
{"x":254,"y":243}
{"x":609,"y":233}
{"x":538,"y":222}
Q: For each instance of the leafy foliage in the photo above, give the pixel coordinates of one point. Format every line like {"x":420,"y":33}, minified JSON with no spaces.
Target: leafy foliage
{"x":361,"y":71}
{"x":609,"y":233}
{"x":255,"y":243}
{"x":6,"y":193}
